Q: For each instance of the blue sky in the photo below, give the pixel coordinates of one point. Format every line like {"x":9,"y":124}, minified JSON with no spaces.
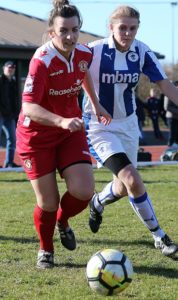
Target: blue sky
{"x":158,"y":28}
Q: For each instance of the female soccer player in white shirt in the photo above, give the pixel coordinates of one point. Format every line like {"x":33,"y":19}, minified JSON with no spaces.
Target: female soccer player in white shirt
{"x":117,"y":64}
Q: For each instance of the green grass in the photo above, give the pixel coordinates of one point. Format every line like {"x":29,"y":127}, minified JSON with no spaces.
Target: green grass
{"x":156,"y":277}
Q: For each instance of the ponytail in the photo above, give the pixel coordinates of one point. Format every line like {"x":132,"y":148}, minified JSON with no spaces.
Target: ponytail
{"x":56,"y":3}
{"x":63,"y":8}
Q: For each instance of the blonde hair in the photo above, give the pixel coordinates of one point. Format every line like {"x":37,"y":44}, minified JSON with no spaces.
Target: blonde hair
{"x":124,"y":11}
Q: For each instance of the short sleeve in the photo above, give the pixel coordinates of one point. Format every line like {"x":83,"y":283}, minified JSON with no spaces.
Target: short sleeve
{"x":152,"y":67}
{"x":36,"y":81}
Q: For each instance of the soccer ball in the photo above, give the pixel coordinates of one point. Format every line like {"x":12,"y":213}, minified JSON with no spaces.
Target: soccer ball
{"x":109,"y":272}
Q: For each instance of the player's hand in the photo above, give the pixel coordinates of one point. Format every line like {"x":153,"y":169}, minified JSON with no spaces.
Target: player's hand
{"x":102,"y":115}
{"x":72,"y":124}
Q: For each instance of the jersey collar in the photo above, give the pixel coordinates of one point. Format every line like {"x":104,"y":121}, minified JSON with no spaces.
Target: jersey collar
{"x":112,"y":44}
{"x":61,"y":57}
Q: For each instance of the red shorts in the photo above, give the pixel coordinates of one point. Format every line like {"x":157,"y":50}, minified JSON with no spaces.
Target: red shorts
{"x":71,"y":150}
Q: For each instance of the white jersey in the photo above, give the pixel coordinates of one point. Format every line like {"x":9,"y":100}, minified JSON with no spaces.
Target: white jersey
{"x":116,"y":75}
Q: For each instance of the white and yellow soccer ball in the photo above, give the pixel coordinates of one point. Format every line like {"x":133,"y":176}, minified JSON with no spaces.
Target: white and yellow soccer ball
{"x":109,"y":272}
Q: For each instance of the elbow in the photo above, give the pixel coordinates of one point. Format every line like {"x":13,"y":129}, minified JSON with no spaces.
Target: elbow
{"x":26,"y":109}
{"x":163,"y":85}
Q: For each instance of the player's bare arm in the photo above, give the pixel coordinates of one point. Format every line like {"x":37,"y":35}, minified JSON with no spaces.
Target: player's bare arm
{"x":44,"y":117}
{"x":102,"y":115}
{"x":169,"y":90}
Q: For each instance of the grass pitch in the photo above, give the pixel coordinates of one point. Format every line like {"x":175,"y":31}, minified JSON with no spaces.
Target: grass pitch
{"x":156,"y":277}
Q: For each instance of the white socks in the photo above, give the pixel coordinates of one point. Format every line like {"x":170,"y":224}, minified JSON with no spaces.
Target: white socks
{"x":144,"y":209}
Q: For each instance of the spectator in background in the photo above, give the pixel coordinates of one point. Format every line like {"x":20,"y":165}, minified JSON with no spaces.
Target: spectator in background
{"x":172,"y":119}
{"x":9,"y":111}
{"x":153,"y":107}
{"x":140,"y":112}
{"x":162,"y":111}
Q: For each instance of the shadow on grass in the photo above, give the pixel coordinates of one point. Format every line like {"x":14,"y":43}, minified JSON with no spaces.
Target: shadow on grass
{"x":91,"y":241}
{"x":160,"y":181}
{"x":154,"y":271}
{"x":14,"y":180}
{"x":157,"y":271}
{"x":116,"y":242}
{"x":21,"y":240}
{"x":102,"y":181}
{"x":70,"y":265}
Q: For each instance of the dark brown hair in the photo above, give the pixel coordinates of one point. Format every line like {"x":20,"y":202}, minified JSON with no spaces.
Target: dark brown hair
{"x":65,"y":10}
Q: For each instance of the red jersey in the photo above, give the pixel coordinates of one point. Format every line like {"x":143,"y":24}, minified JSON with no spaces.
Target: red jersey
{"x":54,"y":83}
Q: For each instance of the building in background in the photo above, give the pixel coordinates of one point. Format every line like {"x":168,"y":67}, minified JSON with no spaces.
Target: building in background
{"x":20,"y":36}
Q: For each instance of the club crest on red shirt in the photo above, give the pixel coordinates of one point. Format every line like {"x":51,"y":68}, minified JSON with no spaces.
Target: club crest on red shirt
{"x":28,"y":164}
{"x":83,"y":65}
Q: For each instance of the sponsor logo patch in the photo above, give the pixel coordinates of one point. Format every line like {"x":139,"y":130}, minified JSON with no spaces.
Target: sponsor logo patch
{"x":120,"y":77}
{"x":28,"y":87}
{"x":26,"y":121}
{"x":56,"y":73}
{"x":73,"y":90}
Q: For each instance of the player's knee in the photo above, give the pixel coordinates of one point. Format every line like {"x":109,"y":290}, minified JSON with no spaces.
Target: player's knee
{"x":49,"y":202}
{"x":86,"y":195}
{"x":119,"y":189}
{"x":82,"y":192}
{"x":50,"y":207}
{"x":122,"y":193}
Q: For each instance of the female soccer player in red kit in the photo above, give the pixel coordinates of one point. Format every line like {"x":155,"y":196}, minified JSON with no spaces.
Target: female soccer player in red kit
{"x":50,"y":131}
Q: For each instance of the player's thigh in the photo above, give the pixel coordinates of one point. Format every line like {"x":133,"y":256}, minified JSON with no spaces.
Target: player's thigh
{"x":74,"y":165}
{"x":46,"y":191}
{"x":80,"y":180}
{"x":40,"y":168}
{"x":104,"y":144}
{"x":130,"y":144}
{"x":72,"y":150}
